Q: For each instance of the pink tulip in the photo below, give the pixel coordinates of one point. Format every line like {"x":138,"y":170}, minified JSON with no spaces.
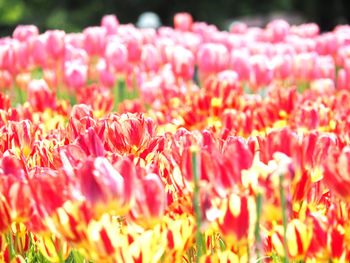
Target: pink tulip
{"x":239,"y":62}
{"x":8,"y":58}
{"x":182,"y":62}
{"x":22,"y":53}
{"x":261,"y":71}
{"x":303,"y":65}
{"x":150,"y":58}
{"x":111,"y":23}
{"x":306,"y":30}
{"x":324,"y":68}
{"x":75,"y":74}
{"x":95,"y":40}
{"x":277,"y":30}
{"x":77,"y":54}
{"x":149,"y":35}
{"x":6,"y":79}
{"x":106,"y":77}
{"x":183,"y":21}
{"x":283,"y":65}
{"x":75,"y":39}
{"x":212,"y":58}
{"x":38,"y":50}
{"x":326,"y":44}
{"x":132,"y":39}
{"x":116,"y":56}
{"x":55,"y":44}
{"x":24,"y":32}
{"x":239,"y":28}
{"x":343,"y":80}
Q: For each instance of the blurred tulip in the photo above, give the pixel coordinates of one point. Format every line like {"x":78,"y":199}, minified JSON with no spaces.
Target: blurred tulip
{"x":53,"y":248}
{"x":55,"y":44}
{"x":75,"y":74}
{"x":150,"y":58}
{"x":150,"y":201}
{"x":104,"y":188}
{"x":95,"y":40}
{"x":116,"y":56}
{"x":336,"y":175}
{"x":183,"y":21}
{"x":212,"y":58}
{"x":111,"y":23}
{"x":238,"y":220}
{"x":40,"y":96}
{"x":182,"y":62}
{"x":24,"y":32}
{"x":277,"y":30}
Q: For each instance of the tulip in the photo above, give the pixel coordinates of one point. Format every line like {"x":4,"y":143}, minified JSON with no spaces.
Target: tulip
{"x":239,"y":217}
{"x":212,"y":58}
{"x":182,"y":62}
{"x":150,"y":201}
{"x":261,"y":71}
{"x":55,"y":44}
{"x":75,"y":74}
{"x":150,"y":58}
{"x":53,"y":248}
{"x":95,"y":40}
{"x":116,"y":56}
{"x":38,"y":50}
{"x":40,"y":96}
{"x":277,"y":30}
{"x":336,"y":174}
{"x":104,"y":188}
{"x":239,"y":61}
{"x":105,"y":75}
{"x":24,"y":32}
{"x":183,"y":21}
{"x":111,"y":23}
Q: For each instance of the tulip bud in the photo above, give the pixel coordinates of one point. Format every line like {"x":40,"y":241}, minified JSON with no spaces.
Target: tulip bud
{"x":24,"y":32}
{"x":75,"y":74}
{"x":95,"y":40}
{"x":111,"y":23}
{"x":55,"y":44}
{"x":117,"y":56}
{"x":150,"y":58}
{"x":182,"y":62}
{"x":212,"y":58}
{"x":183,"y":21}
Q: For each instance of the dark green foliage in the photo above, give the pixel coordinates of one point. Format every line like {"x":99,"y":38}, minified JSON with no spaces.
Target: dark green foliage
{"x":74,"y":15}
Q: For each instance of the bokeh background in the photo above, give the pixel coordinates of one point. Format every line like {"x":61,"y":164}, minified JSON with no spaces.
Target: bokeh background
{"x":74,"y":15}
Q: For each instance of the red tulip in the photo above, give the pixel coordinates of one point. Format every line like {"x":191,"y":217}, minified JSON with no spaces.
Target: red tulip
{"x":40,"y":96}
{"x":183,"y":21}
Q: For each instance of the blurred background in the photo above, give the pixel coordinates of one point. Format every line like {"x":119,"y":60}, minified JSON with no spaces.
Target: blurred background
{"x":74,"y":15}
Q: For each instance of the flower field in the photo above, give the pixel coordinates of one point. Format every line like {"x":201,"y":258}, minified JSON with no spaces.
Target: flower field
{"x":184,"y":144}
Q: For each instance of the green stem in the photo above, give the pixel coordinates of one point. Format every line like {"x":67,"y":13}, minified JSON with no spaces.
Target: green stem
{"x":284,"y":219}
{"x":58,"y":250}
{"x":118,"y":93}
{"x":257,"y":225}
{"x":12,"y":253}
{"x":199,"y":237}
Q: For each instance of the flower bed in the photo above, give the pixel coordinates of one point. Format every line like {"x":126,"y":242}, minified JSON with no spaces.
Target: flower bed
{"x":184,"y":144}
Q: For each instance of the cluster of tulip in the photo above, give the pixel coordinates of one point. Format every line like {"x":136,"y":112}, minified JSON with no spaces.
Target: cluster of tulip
{"x":184,"y":144}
